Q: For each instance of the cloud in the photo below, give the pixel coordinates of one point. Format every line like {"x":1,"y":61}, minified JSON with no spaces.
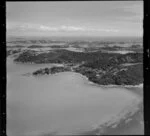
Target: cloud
{"x":72,"y":28}
{"x":75,"y":28}
{"x":107,"y":30}
{"x":46,"y":28}
{"x":63,"y":28}
{"x":21,"y":26}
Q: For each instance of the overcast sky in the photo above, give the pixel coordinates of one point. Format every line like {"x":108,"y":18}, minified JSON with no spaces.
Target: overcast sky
{"x":86,"y":18}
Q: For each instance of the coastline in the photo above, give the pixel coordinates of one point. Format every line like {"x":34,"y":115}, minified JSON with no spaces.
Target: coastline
{"x":92,"y":83}
{"x":130,"y":116}
{"x":107,"y":86}
{"x":129,"y":85}
{"x":121,"y":118}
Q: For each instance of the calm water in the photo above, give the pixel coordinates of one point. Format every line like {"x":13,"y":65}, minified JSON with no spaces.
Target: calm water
{"x":64,"y":103}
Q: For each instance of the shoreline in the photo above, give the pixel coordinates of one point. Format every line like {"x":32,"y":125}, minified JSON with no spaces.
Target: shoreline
{"x":128,"y":116}
{"x":114,"y":121}
{"x":92,"y":83}
{"x":110,"y":85}
{"x":140,"y":85}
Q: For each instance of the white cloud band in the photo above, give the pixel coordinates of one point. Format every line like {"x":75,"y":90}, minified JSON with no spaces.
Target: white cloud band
{"x":63,"y":28}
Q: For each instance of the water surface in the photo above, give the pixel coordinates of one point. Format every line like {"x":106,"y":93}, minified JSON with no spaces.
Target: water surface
{"x":64,"y":103}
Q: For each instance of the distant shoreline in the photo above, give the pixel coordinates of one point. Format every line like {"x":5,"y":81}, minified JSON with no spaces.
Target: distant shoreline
{"x":80,"y":38}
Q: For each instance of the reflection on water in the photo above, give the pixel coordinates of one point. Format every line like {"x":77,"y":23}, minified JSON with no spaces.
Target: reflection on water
{"x":63,"y":103}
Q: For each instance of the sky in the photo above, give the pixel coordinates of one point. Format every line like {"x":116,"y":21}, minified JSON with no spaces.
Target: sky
{"x":75,"y":18}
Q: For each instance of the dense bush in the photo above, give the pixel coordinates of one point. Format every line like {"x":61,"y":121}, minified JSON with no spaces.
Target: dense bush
{"x":94,"y":62}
